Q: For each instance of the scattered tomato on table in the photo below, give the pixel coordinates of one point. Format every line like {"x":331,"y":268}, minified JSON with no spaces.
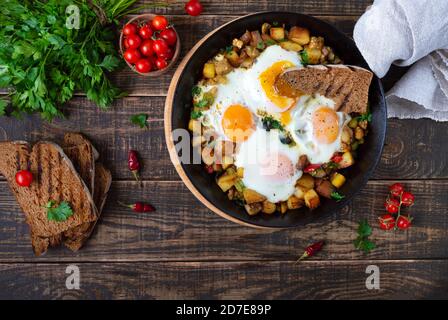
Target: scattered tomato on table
{"x":395,"y":201}
{"x":139,"y":206}
{"x":24,"y":178}
{"x":193,"y":8}
{"x":150,"y":45}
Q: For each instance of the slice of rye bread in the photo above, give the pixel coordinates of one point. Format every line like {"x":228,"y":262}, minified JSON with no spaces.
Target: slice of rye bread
{"x":73,"y":139}
{"x":76,"y":237}
{"x":348,"y":86}
{"x":55,"y":178}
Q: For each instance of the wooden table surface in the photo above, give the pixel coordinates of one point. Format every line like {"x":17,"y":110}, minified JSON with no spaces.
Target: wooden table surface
{"x":184,"y":250}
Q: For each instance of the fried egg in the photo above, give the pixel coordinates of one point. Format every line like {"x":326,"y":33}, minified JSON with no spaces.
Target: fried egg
{"x":269,"y":166}
{"x":316,"y":127}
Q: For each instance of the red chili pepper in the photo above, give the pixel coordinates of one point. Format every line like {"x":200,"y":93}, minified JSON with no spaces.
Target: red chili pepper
{"x":312,"y":250}
{"x":311,"y":168}
{"x":138,"y":206}
{"x":209,"y":169}
{"x":336,"y":158}
{"x":134,"y":164}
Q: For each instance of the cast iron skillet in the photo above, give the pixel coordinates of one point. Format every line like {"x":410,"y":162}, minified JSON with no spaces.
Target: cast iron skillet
{"x":178,"y":106}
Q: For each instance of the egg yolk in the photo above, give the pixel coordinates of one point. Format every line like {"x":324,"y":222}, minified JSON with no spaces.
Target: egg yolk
{"x":277,"y":167}
{"x":237,"y":123}
{"x":325,"y":125}
{"x":267,"y":79}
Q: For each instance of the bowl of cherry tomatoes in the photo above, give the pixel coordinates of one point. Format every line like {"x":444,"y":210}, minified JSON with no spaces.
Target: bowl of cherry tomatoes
{"x":149,"y":44}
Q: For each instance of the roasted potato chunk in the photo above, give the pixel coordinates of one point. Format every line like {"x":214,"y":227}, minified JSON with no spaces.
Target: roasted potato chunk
{"x":313,"y":55}
{"x":227,"y":181}
{"x":291,"y":46}
{"x":265,"y":28}
{"x":299,"y":35}
{"x":277,"y":33}
{"x":306,"y":181}
{"x":300,"y":192}
{"x":337,"y":179}
{"x":252,"y":52}
{"x":240,"y":172}
{"x":312,"y":200}
{"x":237,"y":43}
{"x":256,"y":39}
{"x":359,"y":133}
{"x":209,"y":70}
{"x":316,"y":43}
{"x":253,"y":208}
{"x":347,"y":160}
{"x":324,"y":188}
{"x":222,"y":67}
{"x":252,"y":196}
{"x":294,"y":202}
{"x":347,"y":135}
{"x":246,"y":37}
{"x":233,"y":58}
{"x":282,"y":207}
{"x":268,"y":207}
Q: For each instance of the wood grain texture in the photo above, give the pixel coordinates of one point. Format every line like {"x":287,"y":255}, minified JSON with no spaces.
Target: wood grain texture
{"x":414,"y":148}
{"x":408,"y":279}
{"x":184,"y":230}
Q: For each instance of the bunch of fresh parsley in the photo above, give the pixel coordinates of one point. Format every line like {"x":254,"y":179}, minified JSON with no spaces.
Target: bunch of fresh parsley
{"x":43,"y":61}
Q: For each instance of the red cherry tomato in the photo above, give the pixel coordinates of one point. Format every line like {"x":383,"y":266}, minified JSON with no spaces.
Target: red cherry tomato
{"x":161,"y":63}
{"x":311,"y":168}
{"x":169,"y":35}
{"x":129,"y":29}
{"x":392,"y":205}
{"x":134,"y":41}
{"x":337,"y":158}
{"x":160,"y":46}
{"x":131,"y":55}
{"x":143,"y":65}
{"x":396,"y":189}
{"x":403,"y":222}
{"x":168,"y":55}
{"x":145,"y":32}
{"x":146,"y":48}
{"x":193,"y":8}
{"x":24,"y":178}
{"x":159,"y":23}
{"x":407,"y":199}
{"x":387,"y":222}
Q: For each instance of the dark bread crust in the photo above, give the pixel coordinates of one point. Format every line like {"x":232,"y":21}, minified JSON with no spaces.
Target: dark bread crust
{"x":348,"y":86}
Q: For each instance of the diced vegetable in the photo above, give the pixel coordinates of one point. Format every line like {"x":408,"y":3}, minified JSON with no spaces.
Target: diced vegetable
{"x":239,"y":185}
{"x":318,"y":173}
{"x":291,"y":46}
{"x":300,"y":192}
{"x":265,"y":28}
{"x":363,"y":124}
{"x":226,"y":162}
{"x":313,"y":55}
{"x":252,"y":52}
{"x":246,"y":37}
{"x":240,"y":172}
{"x":238,"y":43}
{"x":359,"y":133}
{"x":209,"y":70}
{"x":316,"y":43}
{"x":337,"y":180}
{"x":299,"y":35}
{"x":353,"y":123}
{"x":346,"y":135}
{"x":347,"y":160}
{"x":306,"y":181}
{"x":227,"y":181}
{"x":277,"y":33}
{"x":256,"y":39}
{"x":222,"y":66}
{"x":294,"y":203}
{"x":251,"y":196}
{"x":312,"y":200}
{"x":324,"y":188}
{"x":194,"y":125}
{"x":233,"y":58}
{"x":268,"y":207}
{"x":247,"y":63}
{"x":253,"y":208}
{"x":282,"y":207}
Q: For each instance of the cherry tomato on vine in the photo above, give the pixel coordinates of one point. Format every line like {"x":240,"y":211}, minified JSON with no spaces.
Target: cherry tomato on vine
{"x":24,"y":178}
{"x":160,"y":46}
{"x":387,"y":222}
{"x":396,"y":189}
{"x":159,"y":23}
{"x":407,"y":199}
{"x":145,"y":32}
{"x":193,"y":8}
{"x":134,"y":41}
{"x":392,"y":205}
{"x":131,"y":55}
{"x":143,"y":65}
{"x":169,"y":35}
{"x":161,"y":63}
{"x":146,"y":48}
{"x":129,"y":29}
{"x":403,"y":222}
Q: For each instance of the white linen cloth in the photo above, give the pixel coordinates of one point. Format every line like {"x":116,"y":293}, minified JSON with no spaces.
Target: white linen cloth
{"x":404,"y":32}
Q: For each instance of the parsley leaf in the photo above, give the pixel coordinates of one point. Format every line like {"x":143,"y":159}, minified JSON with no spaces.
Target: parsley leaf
{"x":270,"y":42}
{"x":304,"y":57}
{"x":228,"y":49}
{"x":3,"y":105}
{"x":362,"y":242}
{"x":260,"y":45}
{"x":365,"y":117}
{"x":270,"y":123}
{"x":140,"y":119}
{"x":337,"y":196}
{"x":58,"y":213}
{"x":196,"y":91}
{"x":275,"y":23}
{"x":196,"y":114}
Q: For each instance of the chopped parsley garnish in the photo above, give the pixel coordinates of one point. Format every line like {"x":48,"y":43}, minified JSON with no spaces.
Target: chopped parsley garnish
{"x":196,"y":114}
{"x":275,"y":23}
{"x":362,"y":242}
{"x":304,"y":57}
{"x":228,"y":49}
{"x":206,"y":101}
{"x":196,"y":91}
{"x":60,"y":212}
{"x":271,"y":123}
{"x":337,"y":196}
{"x":140,"y":119}
{"x":365,"y":117}
{"x":270,"y":42}
{"x":260,"y":45}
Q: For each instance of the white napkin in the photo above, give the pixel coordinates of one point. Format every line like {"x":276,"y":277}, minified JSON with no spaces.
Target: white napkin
{"x":403,"y":32}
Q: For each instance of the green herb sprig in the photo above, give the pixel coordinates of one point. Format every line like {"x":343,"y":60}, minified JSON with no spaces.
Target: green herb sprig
{"x":59,"y":212}
{"x":362,"y":242}
{"x":140,"y":120}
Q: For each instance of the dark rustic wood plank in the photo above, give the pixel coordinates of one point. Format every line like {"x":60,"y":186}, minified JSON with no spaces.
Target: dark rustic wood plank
{"x":225,"y":7}
{"x":183,"y":229}
{"x":409,"y":279}
{"x":414,"y":148}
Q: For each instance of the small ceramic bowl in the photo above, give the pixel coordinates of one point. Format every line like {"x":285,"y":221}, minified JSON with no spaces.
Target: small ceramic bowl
{"x":146,"y":18}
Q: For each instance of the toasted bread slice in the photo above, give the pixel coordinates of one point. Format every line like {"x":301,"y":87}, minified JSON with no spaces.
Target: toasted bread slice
{"x":55,"y":178}
{"x":348,"y":86}
{"x":76,"y":237}
{"x":73,"y":139}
